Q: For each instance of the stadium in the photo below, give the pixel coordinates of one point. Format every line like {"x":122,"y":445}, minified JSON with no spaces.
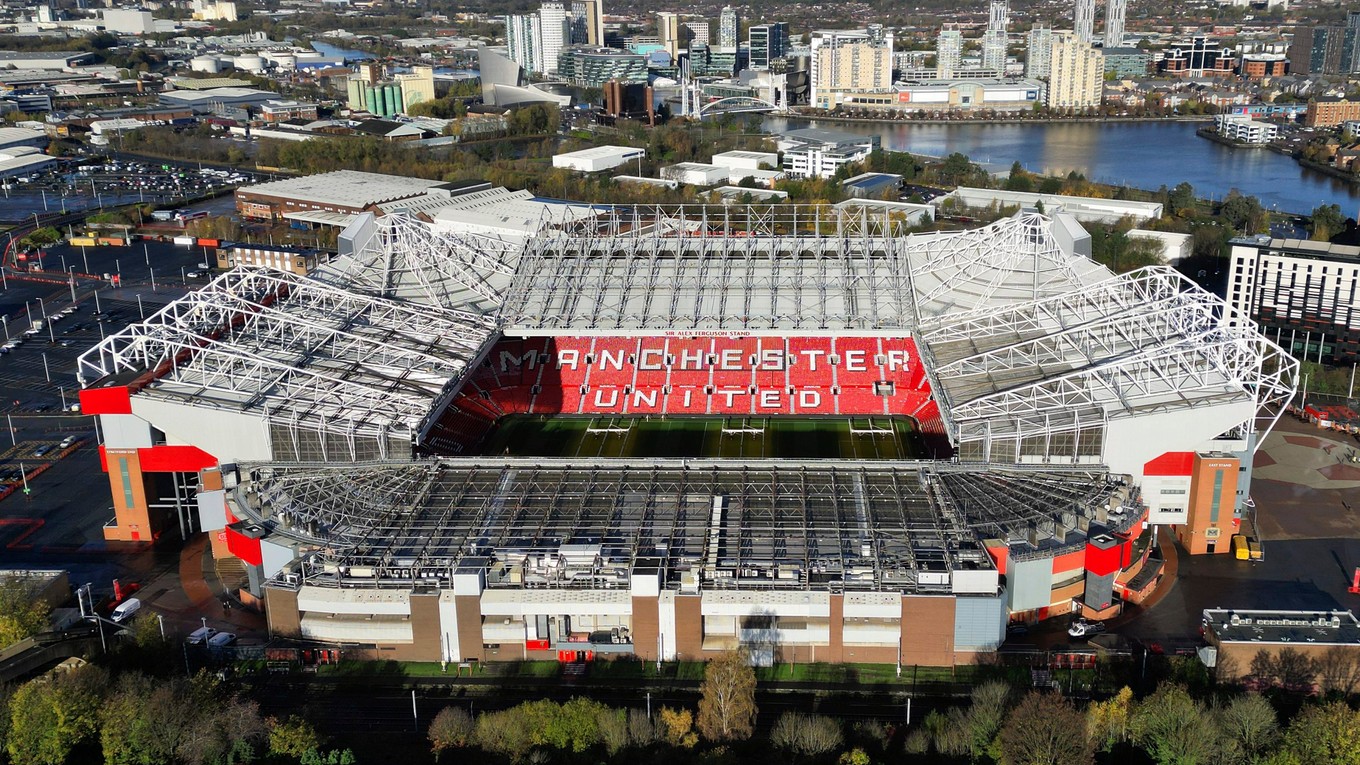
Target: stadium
{"x":665,"y":433}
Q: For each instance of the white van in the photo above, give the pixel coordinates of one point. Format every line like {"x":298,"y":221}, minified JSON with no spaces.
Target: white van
{"x":221,"y":640}
{"x":125,"y":610}
{"x":200,"y":635}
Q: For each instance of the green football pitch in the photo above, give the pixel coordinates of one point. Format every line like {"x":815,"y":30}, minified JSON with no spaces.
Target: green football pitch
{"x":861,"y":438}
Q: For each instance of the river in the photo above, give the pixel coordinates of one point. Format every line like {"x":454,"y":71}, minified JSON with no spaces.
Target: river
{"x":1143,"y":155}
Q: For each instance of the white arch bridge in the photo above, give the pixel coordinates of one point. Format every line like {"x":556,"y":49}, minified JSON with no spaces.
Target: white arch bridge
{"x":737,"y":105}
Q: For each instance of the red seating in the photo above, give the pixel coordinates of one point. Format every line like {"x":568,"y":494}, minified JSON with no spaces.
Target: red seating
{"x":810,"y":362}
{"x":724,"y":375}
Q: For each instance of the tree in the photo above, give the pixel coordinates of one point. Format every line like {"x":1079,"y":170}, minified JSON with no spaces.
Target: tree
{"x":1181,"y":200}
{"x":451,"y":728}
{"x":1173,"y":728}
{"x":808,"y":735}
{"x":1327,"y":733}
{"x":1045,"y":729}
{"x":677,"y":727}
{"x":1107,"y":722}
{"x":1326,"y":222}
{"x":1019,"y":180}
{"x":1243,"y":213}
{"x":21,"y":614}
{"x":293,"y":737}
{"x":48,"y":720}
{"x":727,"y":706}
{"x":1249,"y":727}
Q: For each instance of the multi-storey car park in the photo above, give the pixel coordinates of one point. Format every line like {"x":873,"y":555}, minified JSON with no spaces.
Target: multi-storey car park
{"x":670,"y":432}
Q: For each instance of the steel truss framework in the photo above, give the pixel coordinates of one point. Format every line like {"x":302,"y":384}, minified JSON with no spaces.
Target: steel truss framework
{"x":876,"y":526}
{"x":1143,"y":341}
{"x":410,"y":258}
{"x":681,"y":270}
{"x":298,"y":352}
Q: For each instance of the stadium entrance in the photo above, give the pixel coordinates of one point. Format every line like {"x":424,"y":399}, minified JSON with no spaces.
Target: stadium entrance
{"x":857,"y":438}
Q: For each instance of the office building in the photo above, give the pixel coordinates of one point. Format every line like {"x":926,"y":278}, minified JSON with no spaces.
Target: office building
{"x":555,"y":27}
{"x":1075,"y":73}
{"x":524,"y":41}
{"x":995,"y":94}
{"x":766,"y":42}
{"x":1126,"y":63}
{"x":854,"y":61}
{"x":587,"y":23}
{"x":593,"y":67}
{"x":948,"y":53}
{"x":729,"y":28}
{"x":1084,"y":20}
{"x":1200,"y":56}
{"x":670,"y":33}
{"x":1238,"y":639}
{"x":698,"y":32}
{"x":817,"y":153}
{"x":1304,"y":295}
{"x":1037,"y":53}
{"x":1114,"y":22}
{"x":1260,"y":66}
{"x":994,"y":39}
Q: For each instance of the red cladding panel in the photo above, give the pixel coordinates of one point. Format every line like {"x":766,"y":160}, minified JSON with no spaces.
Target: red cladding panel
{"x":174,"y":459}
{"x":1102,"y":562}
{"x":1000,"y":556}
{"x":103,"y":459}
{"x":1069,"y":561}
{"x":537,"y":645}
{"x":244,"y":547}
{"x":1171,"y":463}
{"x":111,"y":400}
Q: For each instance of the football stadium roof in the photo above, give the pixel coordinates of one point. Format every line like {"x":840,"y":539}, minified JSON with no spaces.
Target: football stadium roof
{"x":880,"y":526}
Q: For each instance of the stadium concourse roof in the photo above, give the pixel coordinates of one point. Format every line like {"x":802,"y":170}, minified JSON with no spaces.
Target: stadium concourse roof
{"x":260,"y":341}
{"x":781,"y":524}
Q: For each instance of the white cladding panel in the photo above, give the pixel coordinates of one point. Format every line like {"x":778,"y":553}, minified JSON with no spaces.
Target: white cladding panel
{"x":448,"y":627}
{"x":871,"y":634}
{"x":873,"y":605}
{"x":228,"y":436}
{"x":766,"y":603}
{"x":982,"y":582}
{"x":666,"y":623}
{"x":555,"y":602}
{"x":212,"y":510}
{"x":327,"y":600}
{"x":929,"y":96}
{"x":1131,"y":442}
{"x":125,"y":431}
{"x":356,"y":630}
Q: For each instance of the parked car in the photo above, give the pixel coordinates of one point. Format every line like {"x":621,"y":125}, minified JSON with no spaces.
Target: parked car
{"x":1084,"y":629}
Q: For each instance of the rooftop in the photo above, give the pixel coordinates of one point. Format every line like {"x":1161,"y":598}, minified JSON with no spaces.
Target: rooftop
{"x":343,"y":188}
{"x":558,"y":524}
{"x":604,"y":152}
{"x":819,"y":135}
{"x":1319,"y":627}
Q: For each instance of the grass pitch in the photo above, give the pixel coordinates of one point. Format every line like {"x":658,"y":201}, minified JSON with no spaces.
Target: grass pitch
{"x":859,"y":438}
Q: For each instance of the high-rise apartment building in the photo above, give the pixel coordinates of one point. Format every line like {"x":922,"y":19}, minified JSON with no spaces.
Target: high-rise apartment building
{"x":524,"y":41}
{"x":1075,"y":73}
{"x":767,"y":42}
{"x":1084,"y":20}
{"x":729,"y":28}
{"x":849,"y":60}
{"x":587,"y":22}
{"x":1114,"y":22}
{"x":1326,"y":50}
{"x":994,"y":39}
{"x":948,"y":53}
{"x":556,"y":29}
{"x":1037,"y":53}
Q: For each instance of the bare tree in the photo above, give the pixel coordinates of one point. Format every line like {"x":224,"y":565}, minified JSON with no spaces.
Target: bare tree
{"x":810,"y":735}
{"x":727,"y":708}
{"x":1045,"y":729}
{"x":1249,"y":723}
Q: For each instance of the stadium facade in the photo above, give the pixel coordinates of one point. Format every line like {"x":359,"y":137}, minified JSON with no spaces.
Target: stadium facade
{"x":330,"y":430}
